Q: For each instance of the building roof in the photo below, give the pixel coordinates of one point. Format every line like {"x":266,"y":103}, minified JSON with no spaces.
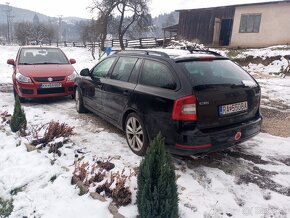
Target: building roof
{"x":173,"y":28}
{"x":237,"y":5}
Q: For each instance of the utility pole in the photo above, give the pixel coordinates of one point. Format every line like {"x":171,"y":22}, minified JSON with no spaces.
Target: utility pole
{"x":9,"y":22}
{"x":59,"y":29}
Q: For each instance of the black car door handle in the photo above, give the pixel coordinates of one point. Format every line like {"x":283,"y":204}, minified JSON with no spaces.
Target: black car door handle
{"x":126,"y":92}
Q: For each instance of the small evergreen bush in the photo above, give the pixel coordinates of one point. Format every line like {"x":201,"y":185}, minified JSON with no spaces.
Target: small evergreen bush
{"x":18,"y":119}
{"x":6,"y":208}
{"x":157,"y":190}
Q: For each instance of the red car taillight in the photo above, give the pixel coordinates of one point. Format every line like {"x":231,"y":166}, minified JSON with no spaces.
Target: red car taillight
{"x":184,"y":108}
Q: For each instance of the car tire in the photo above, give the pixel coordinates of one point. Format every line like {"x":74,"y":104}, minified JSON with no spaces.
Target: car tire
{"x":136,"y":134}
{"x":79,"y":101}
{"x":22,"y":100}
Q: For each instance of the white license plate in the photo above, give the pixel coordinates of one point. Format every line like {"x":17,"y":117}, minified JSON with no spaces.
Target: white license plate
{"x":233,"y":108}
{"x":50,"y":85}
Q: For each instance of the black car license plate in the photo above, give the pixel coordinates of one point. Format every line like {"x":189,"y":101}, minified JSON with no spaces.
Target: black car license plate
{"x":233,"y":108}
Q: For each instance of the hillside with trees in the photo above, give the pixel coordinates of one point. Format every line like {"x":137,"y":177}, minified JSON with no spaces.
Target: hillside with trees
{"x":23,"y":26}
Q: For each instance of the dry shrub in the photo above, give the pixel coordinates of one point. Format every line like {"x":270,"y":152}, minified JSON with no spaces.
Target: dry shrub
{"x":121,"y":194}
{"x":56,"y":130}
{"x":80,"y":173}
{"x":54,"y":147}
{"x":5,"y":116}
{"x":106,"y":164}
{"x":52,"y":130}
{"x":98,"y":175}
{"x":106,"y":187}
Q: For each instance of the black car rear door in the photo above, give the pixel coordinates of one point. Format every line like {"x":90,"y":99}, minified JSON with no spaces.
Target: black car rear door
{"x":155,"y":93}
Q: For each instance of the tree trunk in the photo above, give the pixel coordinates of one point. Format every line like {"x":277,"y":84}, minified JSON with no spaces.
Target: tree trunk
{"x":104,"y":35}
{"x":122,"y":46}
{"x":120,"y":33}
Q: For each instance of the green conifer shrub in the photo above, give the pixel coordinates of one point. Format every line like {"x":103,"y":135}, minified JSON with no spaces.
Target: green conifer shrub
{"x":157,"y":190}
{"x":18,"y":119}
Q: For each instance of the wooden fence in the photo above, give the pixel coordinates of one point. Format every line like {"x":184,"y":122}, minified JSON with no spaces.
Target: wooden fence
{"x":150,"y":42}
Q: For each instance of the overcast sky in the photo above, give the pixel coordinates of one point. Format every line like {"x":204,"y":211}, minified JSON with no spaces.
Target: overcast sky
{"x":79,"y":8}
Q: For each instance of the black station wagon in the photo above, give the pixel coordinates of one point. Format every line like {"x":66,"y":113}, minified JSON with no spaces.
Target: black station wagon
{"x":199,"y":101}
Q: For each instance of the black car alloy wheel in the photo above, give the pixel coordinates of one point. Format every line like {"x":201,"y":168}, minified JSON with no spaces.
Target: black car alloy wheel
{"x":136,"y":134}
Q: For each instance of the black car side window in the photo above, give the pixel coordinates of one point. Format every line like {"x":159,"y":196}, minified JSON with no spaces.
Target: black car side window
{"x":157,"y":74}
{"x":102,"y":69}
{"x":135,"y":72}
{"x":123,"y":68}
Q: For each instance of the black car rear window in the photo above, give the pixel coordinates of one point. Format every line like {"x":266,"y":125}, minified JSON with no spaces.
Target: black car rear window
{"x":215,"y":72}
{"x":158,"y":75}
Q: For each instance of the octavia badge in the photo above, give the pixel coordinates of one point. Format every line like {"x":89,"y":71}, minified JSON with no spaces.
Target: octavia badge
{"x":49,"y":79}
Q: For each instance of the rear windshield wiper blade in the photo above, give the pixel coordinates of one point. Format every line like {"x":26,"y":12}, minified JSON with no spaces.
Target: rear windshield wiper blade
{"x":211,"y":86}
{"x":208,"y":86}
{"x":238,"y":86}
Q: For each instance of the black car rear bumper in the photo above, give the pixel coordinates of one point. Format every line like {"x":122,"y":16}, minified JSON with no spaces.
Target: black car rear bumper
{"x":194,"y":142}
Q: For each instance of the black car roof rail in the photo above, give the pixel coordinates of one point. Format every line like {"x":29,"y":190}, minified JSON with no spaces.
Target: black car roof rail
{"x":192,"y":50}
{"x":146,"y":52}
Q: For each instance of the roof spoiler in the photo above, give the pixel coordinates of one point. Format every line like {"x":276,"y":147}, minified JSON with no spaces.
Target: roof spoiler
{"x":140,"y":51}
{"x":193,"y":50}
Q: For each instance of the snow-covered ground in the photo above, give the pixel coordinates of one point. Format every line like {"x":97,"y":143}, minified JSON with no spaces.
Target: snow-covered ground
{"x":249,"y":180}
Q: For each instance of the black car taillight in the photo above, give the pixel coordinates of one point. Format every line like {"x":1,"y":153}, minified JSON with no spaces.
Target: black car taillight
{"x":185,"y":109}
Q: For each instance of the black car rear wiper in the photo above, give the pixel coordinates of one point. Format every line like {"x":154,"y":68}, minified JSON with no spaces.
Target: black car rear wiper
{"x":211,"y":86}
{"x":238,"y":86}
{"x":208,"y":86}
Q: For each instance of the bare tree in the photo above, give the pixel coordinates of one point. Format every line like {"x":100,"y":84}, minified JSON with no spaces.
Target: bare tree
{"x":23,"y":32}
{"x":94,"y":31}
{"x":104,"y":10}
{"x":38,"y":33}
{"x":27,"y":31}
{"x":3,"y":33}
{"x":143,"y":27}
{"x":84,"y":31}
{"x":137,"y":8}
{"x":50,"y":33}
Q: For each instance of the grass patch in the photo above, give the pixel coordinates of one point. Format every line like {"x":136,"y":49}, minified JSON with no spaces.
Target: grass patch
{"x":286,"y":48}
{"x":233,"y":53}
{"x":6,"y":208}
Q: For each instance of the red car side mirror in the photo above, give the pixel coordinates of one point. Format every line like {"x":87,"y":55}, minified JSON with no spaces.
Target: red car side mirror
{"x":11,"y":62}
{"x":72,"y":61}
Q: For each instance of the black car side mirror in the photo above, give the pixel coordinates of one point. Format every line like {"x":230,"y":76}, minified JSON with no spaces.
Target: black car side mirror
{"x":85,"y":72}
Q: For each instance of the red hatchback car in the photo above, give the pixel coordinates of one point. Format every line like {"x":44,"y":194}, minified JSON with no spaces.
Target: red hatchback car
{"x":40,"y":71}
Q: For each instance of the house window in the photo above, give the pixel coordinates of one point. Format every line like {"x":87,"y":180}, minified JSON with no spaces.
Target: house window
{"x":250,"y":23}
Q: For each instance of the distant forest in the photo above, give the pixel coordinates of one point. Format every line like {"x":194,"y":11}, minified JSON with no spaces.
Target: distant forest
{"x":71,"y":28}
